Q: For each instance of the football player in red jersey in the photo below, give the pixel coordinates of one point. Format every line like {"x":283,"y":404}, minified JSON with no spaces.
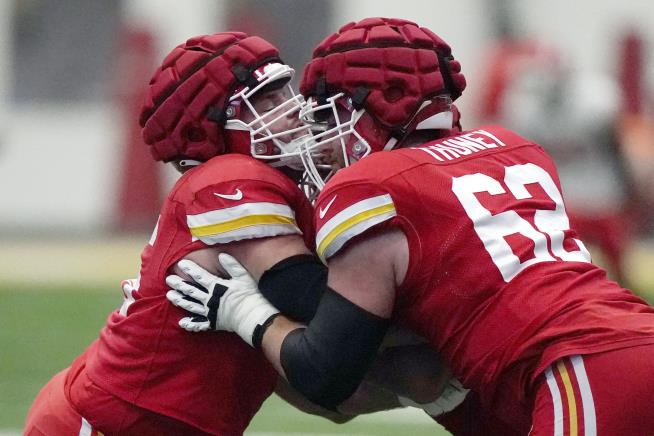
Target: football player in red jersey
{"x":215,"y":101}
{"x":220,"y":108}
{"x":464,"y":239}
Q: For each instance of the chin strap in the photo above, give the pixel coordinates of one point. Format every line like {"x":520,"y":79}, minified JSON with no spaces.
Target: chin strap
{"x":392,"y":142}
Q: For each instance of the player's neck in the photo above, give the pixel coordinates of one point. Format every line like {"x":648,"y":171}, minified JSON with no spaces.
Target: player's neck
{"x":419,"y":137}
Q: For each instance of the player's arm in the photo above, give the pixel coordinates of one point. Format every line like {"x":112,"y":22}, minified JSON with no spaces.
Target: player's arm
{"x":256,"y":255}
{"x":328,"y":359}
{"x":405,"y":366}
{"x":259,"y":255}
{"x":292,"y":279}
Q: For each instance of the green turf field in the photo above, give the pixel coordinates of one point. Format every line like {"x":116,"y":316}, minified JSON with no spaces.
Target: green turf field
{"x":43,"y":329}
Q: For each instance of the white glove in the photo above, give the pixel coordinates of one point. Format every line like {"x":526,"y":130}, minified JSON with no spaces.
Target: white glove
{"x":453,"y":395}
{"x":232,"y":305}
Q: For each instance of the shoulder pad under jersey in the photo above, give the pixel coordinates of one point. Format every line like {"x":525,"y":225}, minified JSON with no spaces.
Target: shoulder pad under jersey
{"x":348,"y":207}
{"x":234,"y":197}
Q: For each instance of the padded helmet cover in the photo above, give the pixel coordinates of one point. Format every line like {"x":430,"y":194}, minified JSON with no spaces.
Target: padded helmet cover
{"x":183,"y":114}
{"x":391,"y":65}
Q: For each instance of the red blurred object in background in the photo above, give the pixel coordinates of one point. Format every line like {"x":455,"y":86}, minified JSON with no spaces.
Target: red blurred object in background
{"x":139,"y":196}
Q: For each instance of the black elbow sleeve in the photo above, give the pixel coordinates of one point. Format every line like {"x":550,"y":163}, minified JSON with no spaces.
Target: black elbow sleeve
{"x":295,"y":286}
{"x":327,"y":360}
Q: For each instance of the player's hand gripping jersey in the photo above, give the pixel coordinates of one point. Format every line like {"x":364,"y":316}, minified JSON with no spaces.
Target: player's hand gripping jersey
{"x":212,"y":381}
{"x":496,"y":277}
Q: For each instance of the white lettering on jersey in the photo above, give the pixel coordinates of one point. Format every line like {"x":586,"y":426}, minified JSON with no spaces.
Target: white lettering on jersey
{"x":463,"y":145}
{"x":492,"y":229}
{"x":474,"y":136}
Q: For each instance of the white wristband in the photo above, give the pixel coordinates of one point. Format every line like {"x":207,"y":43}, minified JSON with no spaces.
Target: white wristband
{"x":244,"y":312}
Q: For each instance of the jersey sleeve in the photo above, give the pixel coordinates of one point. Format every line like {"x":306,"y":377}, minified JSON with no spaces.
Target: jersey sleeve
{"x":348,"y":210}
{"x":238,"y":209}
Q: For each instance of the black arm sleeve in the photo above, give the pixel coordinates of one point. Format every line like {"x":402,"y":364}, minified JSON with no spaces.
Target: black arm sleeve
{"x":327,"y":361}
{"x":295,"y":286}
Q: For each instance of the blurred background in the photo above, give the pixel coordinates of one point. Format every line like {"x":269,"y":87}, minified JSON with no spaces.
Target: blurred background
{"x":79,"y":193}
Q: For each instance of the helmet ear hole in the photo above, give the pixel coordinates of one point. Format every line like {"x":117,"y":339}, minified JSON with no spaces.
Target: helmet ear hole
{"x":195,"y":133}
{"x":393,"y":94}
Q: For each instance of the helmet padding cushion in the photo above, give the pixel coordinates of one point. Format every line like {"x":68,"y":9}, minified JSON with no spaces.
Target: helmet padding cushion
{"x":183,"y":113}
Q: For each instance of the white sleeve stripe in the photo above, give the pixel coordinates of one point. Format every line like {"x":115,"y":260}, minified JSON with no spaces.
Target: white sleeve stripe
{"x":557,"y":402}
{"x":588,"y":404}
{"x":351,"y":211}
{"x":339,"y":241}
{"x":245,"y":209}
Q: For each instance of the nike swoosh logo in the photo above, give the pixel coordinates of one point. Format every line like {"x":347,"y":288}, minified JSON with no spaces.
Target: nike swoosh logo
{"x":323,"y":211}
{"x":235,"y":196}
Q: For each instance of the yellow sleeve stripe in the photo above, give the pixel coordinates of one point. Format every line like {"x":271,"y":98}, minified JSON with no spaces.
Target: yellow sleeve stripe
{"x":239,"y":223}
{"x":570,"y":395}
{"x":351,"y":222}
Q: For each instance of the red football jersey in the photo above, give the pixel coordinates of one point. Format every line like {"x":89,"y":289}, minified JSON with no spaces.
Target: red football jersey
{"x":497,"y":280}
{"x":213,"y":381}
